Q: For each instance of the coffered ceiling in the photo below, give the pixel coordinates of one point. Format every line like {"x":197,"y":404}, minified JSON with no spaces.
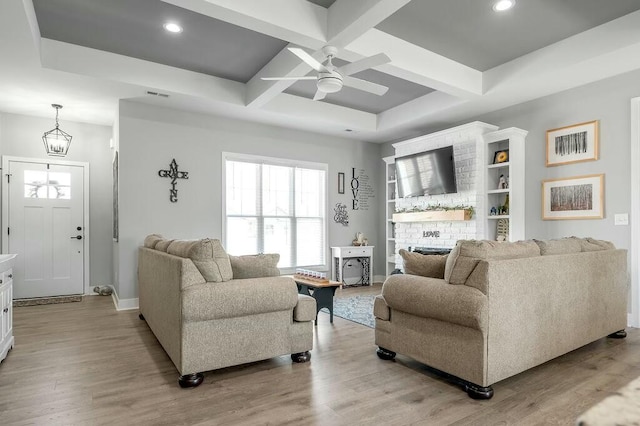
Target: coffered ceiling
{"x":450,"y":60}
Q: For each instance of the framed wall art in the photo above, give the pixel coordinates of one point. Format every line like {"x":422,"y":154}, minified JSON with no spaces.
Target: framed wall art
{"x":340,"y":183}
{"x":572,"y":144}
{"x":501,"y":156}
{"x":579,"y":197}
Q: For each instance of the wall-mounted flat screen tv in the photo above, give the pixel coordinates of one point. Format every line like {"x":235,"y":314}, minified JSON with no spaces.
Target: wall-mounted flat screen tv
{"x":426,"y":173}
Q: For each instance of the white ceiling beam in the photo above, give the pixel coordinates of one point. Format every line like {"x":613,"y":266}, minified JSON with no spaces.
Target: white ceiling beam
{"x":346,"y":21}
{"x":413,"y":63}
{"x":417,"y":109}
{"x":110,"y":66}
{"x":329,"y":116}
{"x":295,"y":21}
{"x":349,"y":19}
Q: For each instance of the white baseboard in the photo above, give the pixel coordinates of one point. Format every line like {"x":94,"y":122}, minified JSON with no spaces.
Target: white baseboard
{"x":379,"y":278}
{"x":124,"y":304}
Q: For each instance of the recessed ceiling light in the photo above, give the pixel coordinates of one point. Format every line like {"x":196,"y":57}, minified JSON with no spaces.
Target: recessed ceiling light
{"x":502,"y":5}
{"x":172,"y":27}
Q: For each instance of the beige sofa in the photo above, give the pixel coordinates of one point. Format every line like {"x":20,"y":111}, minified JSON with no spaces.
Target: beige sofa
{"x":503,"y":308}
{"x":209,"y":310}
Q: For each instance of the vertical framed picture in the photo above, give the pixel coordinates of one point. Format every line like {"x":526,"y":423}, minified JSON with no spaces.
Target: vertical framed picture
{"x":572,"y":144}
{"x":340,"y":183}
{"x":580,"y":197}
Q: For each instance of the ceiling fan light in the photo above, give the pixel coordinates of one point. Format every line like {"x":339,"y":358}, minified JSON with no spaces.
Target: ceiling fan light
{"x":329,"y":84}
{"x":502,"y":5}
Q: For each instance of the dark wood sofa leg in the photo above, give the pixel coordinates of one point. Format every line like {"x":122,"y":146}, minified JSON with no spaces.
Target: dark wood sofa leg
{"x":621,"y":334}
{"x":478,"y":392}
{"x":141,"y":317}
{"x":301,"y":356}
{"x":385,"y":354}
{"x":190,"y":380}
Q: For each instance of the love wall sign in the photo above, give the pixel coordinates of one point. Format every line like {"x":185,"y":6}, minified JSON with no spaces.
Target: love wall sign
{"x":362,"y":190}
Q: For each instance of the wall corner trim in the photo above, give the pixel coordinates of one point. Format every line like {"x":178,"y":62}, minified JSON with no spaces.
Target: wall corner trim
{"x":124,"y":304}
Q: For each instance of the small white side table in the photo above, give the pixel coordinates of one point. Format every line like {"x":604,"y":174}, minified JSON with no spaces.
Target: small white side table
{"x":341,"y":255}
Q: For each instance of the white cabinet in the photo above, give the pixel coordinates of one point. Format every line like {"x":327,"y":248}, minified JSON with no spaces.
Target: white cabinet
{"x":507,"y":143}
{"x":361,"y":254}
{"x":390,"y":208}
{"x":6,"y":304}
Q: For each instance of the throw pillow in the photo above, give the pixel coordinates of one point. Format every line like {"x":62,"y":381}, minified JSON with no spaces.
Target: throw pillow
{"x":606,"y":245}
{"x":151,"y":240}
{"x":255,"y":265}
{"x":471,"y":252}
{"x":559,"y":246}
{"x":163,"y":244}
{"x":451,"y":261}
{"x":208,"y":255}
{"x":425,"y":265}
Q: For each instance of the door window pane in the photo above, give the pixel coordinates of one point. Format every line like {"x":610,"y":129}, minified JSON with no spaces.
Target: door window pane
{"x":35,"y":184}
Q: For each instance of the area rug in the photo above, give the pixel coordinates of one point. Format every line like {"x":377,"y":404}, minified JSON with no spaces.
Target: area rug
{"x":356,"y":308}
{"x":46,"y":300}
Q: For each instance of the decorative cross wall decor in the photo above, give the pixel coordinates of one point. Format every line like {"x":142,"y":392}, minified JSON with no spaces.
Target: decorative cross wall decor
{"x":174,"y":174}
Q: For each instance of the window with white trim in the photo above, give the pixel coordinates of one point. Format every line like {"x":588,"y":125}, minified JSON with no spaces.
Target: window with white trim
{"x":276,"y":206}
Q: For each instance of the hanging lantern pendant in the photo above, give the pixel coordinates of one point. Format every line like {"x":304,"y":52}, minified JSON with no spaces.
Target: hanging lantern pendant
{"x":56,"y":141}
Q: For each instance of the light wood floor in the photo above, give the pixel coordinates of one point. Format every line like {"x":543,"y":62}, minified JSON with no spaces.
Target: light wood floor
{"x":85,"y":363}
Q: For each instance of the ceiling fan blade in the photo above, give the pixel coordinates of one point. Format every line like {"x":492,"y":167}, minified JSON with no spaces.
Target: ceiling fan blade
{"x":364,"y":64}
{"x":310,"y":60}
{"x":306,"y":77}
{"x":319,"y":95}
{"x":367,"y":86}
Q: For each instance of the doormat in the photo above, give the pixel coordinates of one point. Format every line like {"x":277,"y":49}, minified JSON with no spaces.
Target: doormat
{"x":356,"y":308}
{"x":46,"y":300}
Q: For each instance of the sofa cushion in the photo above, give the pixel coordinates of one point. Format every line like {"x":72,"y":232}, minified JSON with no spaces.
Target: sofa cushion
{"x":472,"y":251}
{"x":239,"y":298}
{"x":559,"y":246}
{"x":151,"y":240}
{"x":255,"y":265}
{"x":425,"y":265}
{"x":163,"y":244}
{"x":207,"y":254}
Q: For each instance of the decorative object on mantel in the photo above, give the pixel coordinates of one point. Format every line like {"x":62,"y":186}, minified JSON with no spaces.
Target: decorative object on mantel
{"x":572,"y":144}
{"x":174,"y":174}
{"x":360,"y":240}
{"x":435,"y":212}
{"x":56,"y":141}
{"x":341,"y":216}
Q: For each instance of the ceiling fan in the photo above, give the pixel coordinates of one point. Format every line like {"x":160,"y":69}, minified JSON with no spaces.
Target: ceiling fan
{"x":330,"y":78}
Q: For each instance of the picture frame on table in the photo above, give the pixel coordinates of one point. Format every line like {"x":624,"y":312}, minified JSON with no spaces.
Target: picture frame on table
{"x":578,"y":197}
{"x":573,"y":144}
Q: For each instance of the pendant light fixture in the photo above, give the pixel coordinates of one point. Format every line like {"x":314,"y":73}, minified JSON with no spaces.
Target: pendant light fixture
{"x":56,"y":141}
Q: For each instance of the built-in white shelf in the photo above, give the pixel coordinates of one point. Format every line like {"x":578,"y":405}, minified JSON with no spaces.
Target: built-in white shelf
{"x":498,"y":166}
{"x":499,"y":216}
{"x":498,"y":191}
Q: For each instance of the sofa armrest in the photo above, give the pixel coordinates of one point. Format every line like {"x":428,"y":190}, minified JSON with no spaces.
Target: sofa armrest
{"x":435,"y":298}
{"x":238,"y":298}
{"x":381,"y":309}
{"x":305,"y":310}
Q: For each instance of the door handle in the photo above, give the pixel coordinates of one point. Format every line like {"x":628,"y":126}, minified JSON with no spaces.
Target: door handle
{"x":79,"y":237}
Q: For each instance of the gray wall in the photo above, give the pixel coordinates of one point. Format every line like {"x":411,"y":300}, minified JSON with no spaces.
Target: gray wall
{"x":607,"y":101}
{"x":150,"y":137}
{"x":21,"y":136}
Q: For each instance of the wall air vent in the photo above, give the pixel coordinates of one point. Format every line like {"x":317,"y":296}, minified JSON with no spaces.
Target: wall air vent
{"x":162,"y":95}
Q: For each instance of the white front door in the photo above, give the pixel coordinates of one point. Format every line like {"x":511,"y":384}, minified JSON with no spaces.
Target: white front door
{"x":46,"y":228}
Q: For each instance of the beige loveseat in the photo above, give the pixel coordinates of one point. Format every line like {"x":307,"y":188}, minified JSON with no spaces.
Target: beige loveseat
{"x":209,"y":310}
{"x":503,"y":308}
